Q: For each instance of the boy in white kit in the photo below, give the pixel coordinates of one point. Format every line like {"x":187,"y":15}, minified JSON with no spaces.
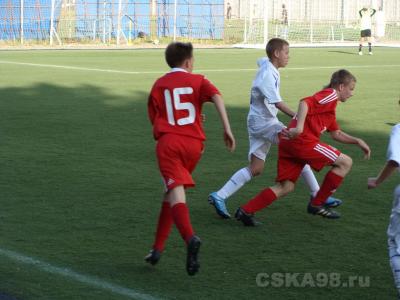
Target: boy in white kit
{"x":393,"y":232}
{"x":263,"y":126}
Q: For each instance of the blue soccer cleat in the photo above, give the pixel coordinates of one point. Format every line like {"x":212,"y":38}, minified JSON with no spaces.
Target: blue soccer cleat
{"x":333,"y":202}
{"x":219,"y":205}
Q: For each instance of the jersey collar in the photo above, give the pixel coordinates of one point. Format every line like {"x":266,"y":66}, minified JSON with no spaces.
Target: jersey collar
{"x":178,"y":70}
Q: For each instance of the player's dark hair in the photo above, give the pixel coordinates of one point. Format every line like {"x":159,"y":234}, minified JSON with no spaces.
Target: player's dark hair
{"x":273,"y":45}
{"x":176,"y":53}
{"x":341,"y":76}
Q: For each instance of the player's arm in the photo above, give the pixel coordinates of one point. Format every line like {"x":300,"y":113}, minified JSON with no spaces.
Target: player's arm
{"x":387,"y":170}
{"x":285,"y":109}
{"x":345,"y":138}
{"x":360,"y":13}
{"x":373,"y":11}
{"x":301,"y":118}
{"x":228,"y":136}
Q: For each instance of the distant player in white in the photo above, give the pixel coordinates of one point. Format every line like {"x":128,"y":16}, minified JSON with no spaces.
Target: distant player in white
{"x":392,"y":164}
{"x":263,"y":126}
{"x":366,"y":25}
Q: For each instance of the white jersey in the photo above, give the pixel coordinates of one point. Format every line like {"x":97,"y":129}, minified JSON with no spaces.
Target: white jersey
{"x":393,"y":153}
{"x":366,"y":19}
{"x":264,"y":95}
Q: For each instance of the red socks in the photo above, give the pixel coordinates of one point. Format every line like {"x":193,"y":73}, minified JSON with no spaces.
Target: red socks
{"x":180,"y":214}
{"x":164,"y":226}
{"x":263,"y":199}
{"x":331,"y":182}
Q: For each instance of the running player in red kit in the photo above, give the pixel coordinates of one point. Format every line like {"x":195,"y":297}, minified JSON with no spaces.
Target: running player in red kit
{"x":174,"y":108}
{"x":300,"y":145}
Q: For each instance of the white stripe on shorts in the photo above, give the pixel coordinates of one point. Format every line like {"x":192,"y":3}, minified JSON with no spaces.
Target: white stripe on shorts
{"x":326,"y":152}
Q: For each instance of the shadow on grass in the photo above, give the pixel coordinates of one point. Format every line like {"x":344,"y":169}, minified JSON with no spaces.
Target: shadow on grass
{"x":344,"y":52}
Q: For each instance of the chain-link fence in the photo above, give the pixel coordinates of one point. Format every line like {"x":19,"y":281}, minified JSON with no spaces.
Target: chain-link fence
{"x":124,"y":22}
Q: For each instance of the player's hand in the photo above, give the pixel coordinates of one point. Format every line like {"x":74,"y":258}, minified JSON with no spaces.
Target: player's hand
{"x":289,"y":134}
{"x":364,"y":147}
{"x":372,"y":183}
{"x":229,"y":140}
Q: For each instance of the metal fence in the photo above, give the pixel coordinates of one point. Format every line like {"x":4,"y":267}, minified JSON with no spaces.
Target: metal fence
{"x":124,"y":22}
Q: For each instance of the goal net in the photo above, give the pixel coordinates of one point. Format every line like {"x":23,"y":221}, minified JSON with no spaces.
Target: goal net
{"x":324,"y":22}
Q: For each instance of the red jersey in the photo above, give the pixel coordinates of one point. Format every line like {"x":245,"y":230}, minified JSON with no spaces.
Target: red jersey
{"x":321,"y":116}
{"x":175,"y":103}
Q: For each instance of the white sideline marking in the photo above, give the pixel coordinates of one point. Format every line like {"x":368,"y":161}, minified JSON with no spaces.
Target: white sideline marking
{"x":89,"y":280}
{"x":197,"y":71}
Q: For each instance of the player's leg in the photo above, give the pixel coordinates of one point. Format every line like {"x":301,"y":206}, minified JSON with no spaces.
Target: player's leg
{"x":394,"y":259}
{"x":394,"y":239}
{"x":369,"y":39}
{"x":245,"y":213}
{"x":180,"y":214}
{"x":288,"y":172}
{"x":309,"y":178}
{"x":164,"y":227}
{"x":361,"y":43}
{"x":177,"y":158}
{"x":334,"y":177}
{"x":318,"y":156}
{"x":257,"y":155}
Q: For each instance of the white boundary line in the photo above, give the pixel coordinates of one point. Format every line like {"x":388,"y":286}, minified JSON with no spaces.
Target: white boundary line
{"x":197,"y":71}
{"x":66,"y":272}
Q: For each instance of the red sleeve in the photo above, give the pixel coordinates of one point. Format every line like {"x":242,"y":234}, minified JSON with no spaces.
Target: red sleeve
{"x":333,"y":126}
{"x":207,"y":90}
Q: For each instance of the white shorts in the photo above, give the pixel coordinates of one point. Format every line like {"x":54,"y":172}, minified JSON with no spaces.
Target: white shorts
{"x":261,"y":139}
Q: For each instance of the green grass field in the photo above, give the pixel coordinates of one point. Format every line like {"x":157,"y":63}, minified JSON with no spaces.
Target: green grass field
{"x":80,"y":188}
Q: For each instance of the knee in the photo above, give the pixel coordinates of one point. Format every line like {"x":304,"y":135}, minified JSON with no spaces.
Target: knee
{"x":345,"y":162}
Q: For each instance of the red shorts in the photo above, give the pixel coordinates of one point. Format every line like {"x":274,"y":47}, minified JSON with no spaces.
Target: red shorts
{"x":177,"y":157}
{"x":293,"y":158}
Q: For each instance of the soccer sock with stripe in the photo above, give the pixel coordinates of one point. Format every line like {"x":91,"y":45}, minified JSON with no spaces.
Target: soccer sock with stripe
{"x":331,"y":182}
{"x":180,"y":214}
{"x":237,"y":180}
{"x":369,"y":47}
{"x":359,"y":48}
{"x":164,"y":226}
{"x":262,"y":200}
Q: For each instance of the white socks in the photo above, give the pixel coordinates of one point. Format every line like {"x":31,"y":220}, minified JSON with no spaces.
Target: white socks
{"x":395,"y":264}
{"x":309,"y":178}
{"x":243,"y":176}
{"x":235,"y":183}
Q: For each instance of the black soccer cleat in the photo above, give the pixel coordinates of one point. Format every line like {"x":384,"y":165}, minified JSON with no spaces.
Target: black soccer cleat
{"x":192,"y":262}
{"x":247,"y":219}
{"x":153,"y":257}
{"x":323,"y":211}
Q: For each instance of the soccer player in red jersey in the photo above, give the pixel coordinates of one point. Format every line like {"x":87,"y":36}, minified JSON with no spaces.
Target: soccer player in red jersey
{"x":174,"y":107}
{"x":300,"y":145}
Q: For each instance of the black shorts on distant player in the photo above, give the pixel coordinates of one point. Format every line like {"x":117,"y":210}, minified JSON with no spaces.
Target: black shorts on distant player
{"x":366,"y":33}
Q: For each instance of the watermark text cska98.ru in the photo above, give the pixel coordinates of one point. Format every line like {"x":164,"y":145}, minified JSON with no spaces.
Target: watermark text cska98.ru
{"x":305,"y":280}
